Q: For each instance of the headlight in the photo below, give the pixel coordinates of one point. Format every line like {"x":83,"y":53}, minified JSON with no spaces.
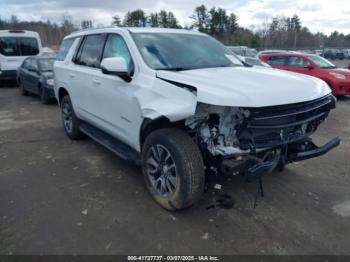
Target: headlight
{"x":336,"y":75}
{"x":50,"y":82}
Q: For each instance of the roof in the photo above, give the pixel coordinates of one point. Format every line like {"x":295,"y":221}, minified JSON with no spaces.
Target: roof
{"x":19,"y":33}
{"x":288,"y":54}
{"x":133,"y":30}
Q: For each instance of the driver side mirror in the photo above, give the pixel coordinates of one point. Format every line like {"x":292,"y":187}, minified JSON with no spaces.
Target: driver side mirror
{"x":308,"y":66}
{"x":116,"y":66}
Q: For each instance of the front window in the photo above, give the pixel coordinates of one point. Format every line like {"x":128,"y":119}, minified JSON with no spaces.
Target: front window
{"x":173,"y":51}
{"x":19,"y":46}
{"x":321,"y":62}
{"x":116,"y":47}
{"x":46,"y":65}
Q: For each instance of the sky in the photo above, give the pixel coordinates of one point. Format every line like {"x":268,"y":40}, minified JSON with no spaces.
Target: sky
{"x":318,"y":15}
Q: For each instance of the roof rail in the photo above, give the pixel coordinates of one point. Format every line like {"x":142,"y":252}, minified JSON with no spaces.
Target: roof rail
{"x":93,"y":28}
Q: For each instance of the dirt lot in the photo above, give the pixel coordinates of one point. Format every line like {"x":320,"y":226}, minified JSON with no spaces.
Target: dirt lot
{"x":64,"y":197}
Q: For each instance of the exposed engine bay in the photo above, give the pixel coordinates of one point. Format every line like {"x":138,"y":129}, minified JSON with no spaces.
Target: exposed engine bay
{"x":253,"y":141}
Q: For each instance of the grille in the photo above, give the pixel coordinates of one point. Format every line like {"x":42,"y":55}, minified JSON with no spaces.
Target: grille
{"x":276,"y":125}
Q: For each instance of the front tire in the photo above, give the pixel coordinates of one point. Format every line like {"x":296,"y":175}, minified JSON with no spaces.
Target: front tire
{"x":173,"y":169}
{"x":22,"y":89}
{"x":70,"y":120}
{"x":44,"y":96}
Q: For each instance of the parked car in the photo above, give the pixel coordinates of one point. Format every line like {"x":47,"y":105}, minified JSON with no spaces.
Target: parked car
{"x":347,"y":53}
{"x":182,"y":106}
{"x":338,"y":79}
{"x":243,"y":51}
{"x":253,"y":61}
{"x":15,"y":46}
{"x":319,"y":52}
{"x":35,"y":76}
{"x":329,"y":54}
{"x":264,"y":52}
{"x":339,"y":54}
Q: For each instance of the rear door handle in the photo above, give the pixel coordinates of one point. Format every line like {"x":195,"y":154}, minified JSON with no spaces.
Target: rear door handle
{"x":71,"y":75}
{"x":96,"y":81}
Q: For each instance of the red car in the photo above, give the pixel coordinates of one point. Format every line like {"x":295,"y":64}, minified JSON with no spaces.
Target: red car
{"x":338,"y":79}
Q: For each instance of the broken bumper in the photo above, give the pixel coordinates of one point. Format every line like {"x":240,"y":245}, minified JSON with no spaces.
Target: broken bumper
{"x":314,"y":151}
{"x":252,"y":168}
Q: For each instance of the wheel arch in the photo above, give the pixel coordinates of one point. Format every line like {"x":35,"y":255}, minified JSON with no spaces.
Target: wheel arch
{"x":149,"y":125}
{"x":61,"y":93}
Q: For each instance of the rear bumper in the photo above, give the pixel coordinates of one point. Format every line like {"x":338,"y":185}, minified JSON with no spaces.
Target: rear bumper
{"x":8,"y":75}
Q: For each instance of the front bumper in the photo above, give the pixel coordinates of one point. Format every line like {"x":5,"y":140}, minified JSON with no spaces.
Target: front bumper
{"x":8,"y":75}
{"x":341,"y":88}
{"x":51,"y":91}
{"x":254,"y":167}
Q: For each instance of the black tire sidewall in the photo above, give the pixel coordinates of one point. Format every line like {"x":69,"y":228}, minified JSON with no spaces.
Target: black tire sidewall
{"x":75,"y":133}
{"x":44,"y":96}
{"x":179,"y":198}
{"x":24,"y":92}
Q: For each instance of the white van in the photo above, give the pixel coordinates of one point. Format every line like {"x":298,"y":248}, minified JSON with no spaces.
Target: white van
{"x":15,"y":46}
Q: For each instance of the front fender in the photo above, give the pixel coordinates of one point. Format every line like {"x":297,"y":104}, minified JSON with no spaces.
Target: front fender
{"x":166,"y":99}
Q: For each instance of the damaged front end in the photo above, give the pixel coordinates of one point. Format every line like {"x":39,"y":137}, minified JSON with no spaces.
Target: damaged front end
{"x":254,"y":141}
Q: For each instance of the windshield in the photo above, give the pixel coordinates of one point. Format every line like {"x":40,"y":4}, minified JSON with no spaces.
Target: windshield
{"x":321,"y":62}
{"x":18,"y":46}
{"x":46,"y":65}
{"x":172,"y":51}
{"x":251,"y":52}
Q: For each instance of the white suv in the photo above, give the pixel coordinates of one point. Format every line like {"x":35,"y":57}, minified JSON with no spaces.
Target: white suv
{"x":182,"y":105}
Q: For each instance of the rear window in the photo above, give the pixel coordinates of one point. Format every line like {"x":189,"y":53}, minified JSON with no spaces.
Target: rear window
{"x":64,"y":48}
{"x":277,"y":60}
{"x":19,"y":46}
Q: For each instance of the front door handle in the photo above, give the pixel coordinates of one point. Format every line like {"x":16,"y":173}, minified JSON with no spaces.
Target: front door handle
{"x":71,"y":75}
{"x":96,"y":81}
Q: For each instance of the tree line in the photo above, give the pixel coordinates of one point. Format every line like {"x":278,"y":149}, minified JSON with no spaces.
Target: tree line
{"x":278,"y":32}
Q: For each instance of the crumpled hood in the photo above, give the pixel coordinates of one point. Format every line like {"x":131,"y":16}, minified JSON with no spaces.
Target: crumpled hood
{"x":249,"y":86}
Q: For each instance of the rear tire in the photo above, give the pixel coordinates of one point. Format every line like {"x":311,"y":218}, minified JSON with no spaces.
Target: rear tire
{"x":70,"y":120}
{"x":173,"y":169}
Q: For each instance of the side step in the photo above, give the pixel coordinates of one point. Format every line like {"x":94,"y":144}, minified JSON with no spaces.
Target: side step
{"x":113,"y":144}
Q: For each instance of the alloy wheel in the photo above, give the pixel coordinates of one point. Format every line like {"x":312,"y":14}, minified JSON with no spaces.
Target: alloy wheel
{"x":161,"y":170}
{"x":67,"y":117}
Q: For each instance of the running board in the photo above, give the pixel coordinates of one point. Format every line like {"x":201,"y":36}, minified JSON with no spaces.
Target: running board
{"x":113,"y":144}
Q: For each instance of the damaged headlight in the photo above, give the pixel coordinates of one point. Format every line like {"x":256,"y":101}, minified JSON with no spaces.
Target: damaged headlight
{"x":216,"y":127}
